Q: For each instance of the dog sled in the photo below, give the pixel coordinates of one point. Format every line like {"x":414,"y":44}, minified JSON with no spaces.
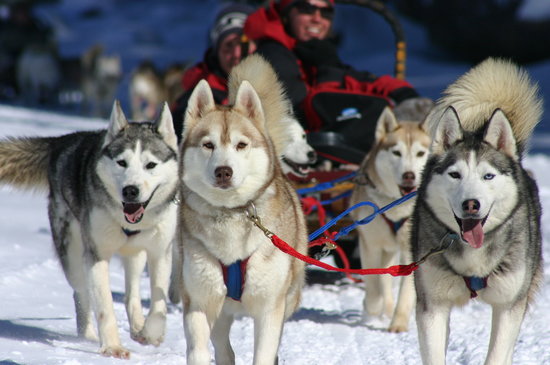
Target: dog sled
{"x":325,"y":191}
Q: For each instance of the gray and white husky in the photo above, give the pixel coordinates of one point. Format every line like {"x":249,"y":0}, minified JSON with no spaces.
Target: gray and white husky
{"x":110,"y":192}
{"x":478,"y":204}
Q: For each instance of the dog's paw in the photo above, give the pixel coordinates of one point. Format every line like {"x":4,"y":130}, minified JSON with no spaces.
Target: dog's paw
{"x":144,"y":339}
{"x":398,"y":326}
{"x":88,"y":333}
{"x":153,"y":331}
{"x":375,"y":322}
{"x":115,"y":351}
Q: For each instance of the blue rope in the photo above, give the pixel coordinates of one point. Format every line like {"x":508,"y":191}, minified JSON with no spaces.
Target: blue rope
{"x":326,"y":185}
{"x":344,"y":231}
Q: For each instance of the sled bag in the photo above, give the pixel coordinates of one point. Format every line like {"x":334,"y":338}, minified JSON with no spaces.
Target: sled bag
{"x":342,"y":123}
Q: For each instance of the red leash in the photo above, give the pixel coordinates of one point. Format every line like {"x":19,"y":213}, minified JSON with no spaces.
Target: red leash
{"x":396,"y":270}
{"x":308,"y":203}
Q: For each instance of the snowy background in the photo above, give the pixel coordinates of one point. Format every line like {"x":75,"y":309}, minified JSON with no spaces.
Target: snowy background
{"x":37,"y":320}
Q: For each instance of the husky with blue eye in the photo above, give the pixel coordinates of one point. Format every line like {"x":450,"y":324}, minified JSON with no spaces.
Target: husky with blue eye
{"x":478,"y":203}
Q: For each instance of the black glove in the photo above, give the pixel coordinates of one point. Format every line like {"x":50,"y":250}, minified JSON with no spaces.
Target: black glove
{"x":318,"y":52}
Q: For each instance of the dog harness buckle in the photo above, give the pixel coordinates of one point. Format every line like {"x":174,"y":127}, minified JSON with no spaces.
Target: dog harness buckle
{"x":252,"y":214}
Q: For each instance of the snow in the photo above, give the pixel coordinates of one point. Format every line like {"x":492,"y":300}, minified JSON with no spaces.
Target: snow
{"x":37,"y":319}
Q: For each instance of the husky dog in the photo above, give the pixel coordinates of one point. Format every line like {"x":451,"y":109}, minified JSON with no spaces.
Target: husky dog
{"x":390,"y":170}
{"x":101,"y":74}
{"x":171,"y":79}
{"x":230,"y":170}
{"x":297,"y":156}
{"x":110,"y":192}
{"x":478,"y":204}
{"x":146,"y":91}
{"x":39,"y":74}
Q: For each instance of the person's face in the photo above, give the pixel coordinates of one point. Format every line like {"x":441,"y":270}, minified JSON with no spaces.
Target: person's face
{"x":229,"y":51}
{"x":306,"y":22}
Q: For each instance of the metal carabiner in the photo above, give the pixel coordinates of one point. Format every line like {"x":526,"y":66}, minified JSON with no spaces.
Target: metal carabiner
{"x":252,"y":214}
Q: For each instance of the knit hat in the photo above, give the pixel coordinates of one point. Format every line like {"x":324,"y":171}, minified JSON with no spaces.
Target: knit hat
{"x":285,"y":4}
{"x":229,"y":20}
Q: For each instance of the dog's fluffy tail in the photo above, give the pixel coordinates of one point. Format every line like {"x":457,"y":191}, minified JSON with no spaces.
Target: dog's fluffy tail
{"x":493,"y":84}
{"x":24,"y":162}
{"x":276,"y":106}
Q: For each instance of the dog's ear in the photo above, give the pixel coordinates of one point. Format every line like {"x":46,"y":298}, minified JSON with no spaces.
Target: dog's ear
{"x":165,"y":127}
{"x":499,"y":134}
{"x":248,"y":102}
{"x":200,"y":103}
{"x":117,"y":123}
{"x":448,"y":131}
{"x":386,"y":124}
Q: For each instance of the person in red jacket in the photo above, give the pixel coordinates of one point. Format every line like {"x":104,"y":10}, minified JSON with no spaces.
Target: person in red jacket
{"x":327,"y":95}
{"x":224,"y":52}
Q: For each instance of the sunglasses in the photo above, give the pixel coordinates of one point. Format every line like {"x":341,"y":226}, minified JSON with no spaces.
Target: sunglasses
{"x":304,"y":7}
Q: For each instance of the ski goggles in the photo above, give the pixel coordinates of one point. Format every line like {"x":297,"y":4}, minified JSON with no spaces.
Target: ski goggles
{"x":304,"y":7}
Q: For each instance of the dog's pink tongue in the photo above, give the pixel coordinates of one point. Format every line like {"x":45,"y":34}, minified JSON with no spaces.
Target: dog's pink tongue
{"x":133,"y":212}
{"x":472,"y":232}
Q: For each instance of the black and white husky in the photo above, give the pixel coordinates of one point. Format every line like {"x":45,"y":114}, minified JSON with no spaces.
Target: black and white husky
{"x":110,"y":192}
{"x":478,"y":204}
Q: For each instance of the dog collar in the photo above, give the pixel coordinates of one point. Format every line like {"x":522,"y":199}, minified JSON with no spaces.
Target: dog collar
{"x":234,"y":277}
{"x":475,"y":283}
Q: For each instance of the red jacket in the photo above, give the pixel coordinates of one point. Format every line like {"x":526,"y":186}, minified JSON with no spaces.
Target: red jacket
{"x":209,"y":70}
{"x":303,"y":82}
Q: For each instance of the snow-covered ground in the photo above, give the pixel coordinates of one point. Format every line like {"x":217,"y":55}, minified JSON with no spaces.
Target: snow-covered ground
{"x":37,"y":320}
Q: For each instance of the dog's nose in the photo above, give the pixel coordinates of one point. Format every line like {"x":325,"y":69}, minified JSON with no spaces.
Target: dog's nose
{"x":471,"y":206}
{"x":311,"y":156}
{"x":130,"y":193}
{"x":223,"y":175}
{"x":408,"y":177}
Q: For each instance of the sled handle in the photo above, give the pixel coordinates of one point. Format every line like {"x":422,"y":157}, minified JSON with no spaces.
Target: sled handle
{"x":380,"y":8}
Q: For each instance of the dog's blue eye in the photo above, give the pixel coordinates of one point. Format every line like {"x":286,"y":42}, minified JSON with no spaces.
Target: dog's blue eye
{"x":122,"y":163}
{"x":454,"y":175}
{"x":150,"y":165}
{"x":208,"y":145}
{"x":489,"y":176}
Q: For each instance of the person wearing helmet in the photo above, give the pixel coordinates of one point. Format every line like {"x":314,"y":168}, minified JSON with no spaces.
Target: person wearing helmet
{"x":225,"y":51}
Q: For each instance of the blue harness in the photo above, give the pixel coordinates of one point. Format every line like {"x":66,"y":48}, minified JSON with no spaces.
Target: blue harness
{"x":394,"y":225}
{"x":234,"y":277}
{"x":129,"y":233}
{"x":475,"y":283}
